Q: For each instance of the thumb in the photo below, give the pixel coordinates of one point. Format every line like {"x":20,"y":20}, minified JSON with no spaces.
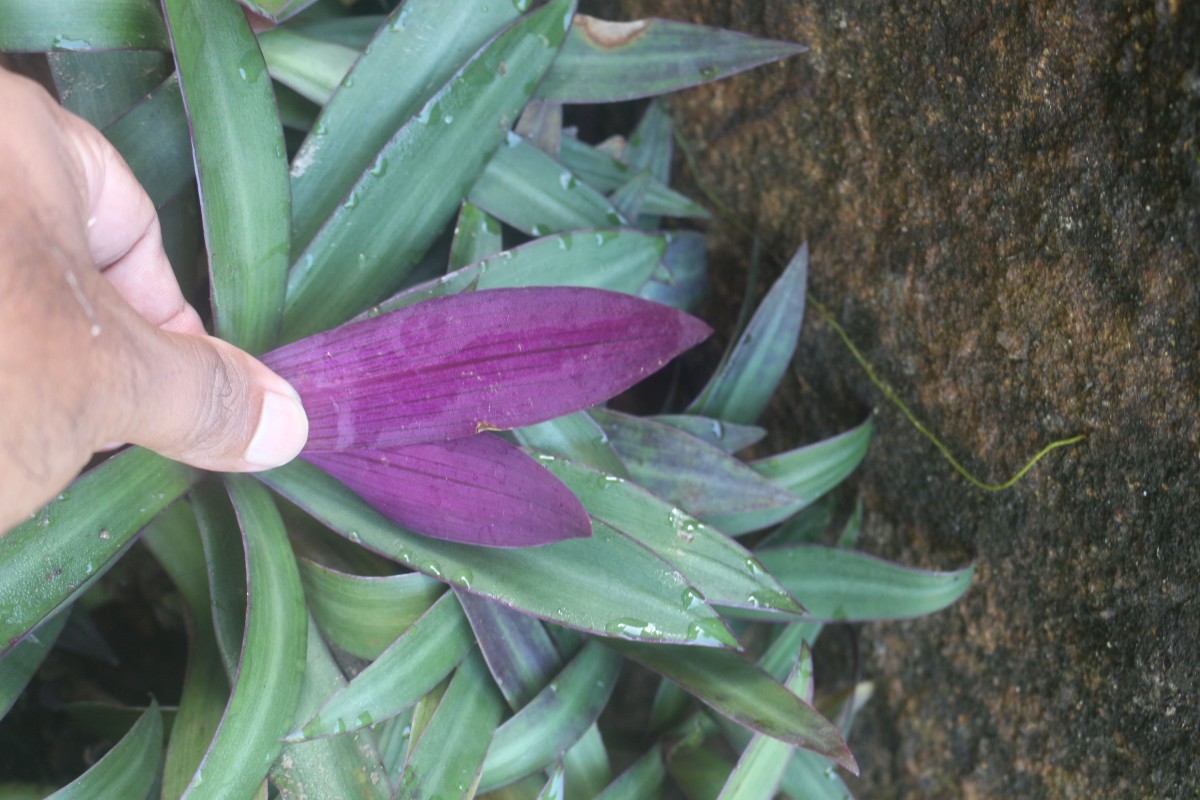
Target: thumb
{"x":202,"y":401}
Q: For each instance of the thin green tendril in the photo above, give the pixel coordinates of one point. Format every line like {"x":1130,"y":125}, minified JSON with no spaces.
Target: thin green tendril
{"x":728,"y":217}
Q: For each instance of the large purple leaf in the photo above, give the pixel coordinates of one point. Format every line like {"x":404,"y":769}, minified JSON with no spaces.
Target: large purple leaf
{"x":477,"y":490}
{"x":489,"y":360}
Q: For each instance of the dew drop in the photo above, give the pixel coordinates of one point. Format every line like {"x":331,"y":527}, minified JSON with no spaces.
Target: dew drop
{"x":354,"y":537}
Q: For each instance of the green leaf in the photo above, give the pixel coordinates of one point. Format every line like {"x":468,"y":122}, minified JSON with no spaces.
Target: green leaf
{"x":575,"y":437}
{"x":311,"y":67}
{"x":174,"y":539}
{"x":241,"y":166}
{"x":602,"y":585}
{"x":750,"y":373}
{"x":476,"y":236}
{"x":651,"y":146}
{"x":414,"y":664}
{"x":277,"y":10}
{"x":631,"y":197}
{"x":419,"y":177}
{"x":153,"y":139}
{"x":431,"y":40}
{"x":541,"y":732}
{"x":718,"y":568}
{"x":73,"y":540}
{"x":519,"y":653}
{"x":728,"y":436}
{"x":682,"y":279}
{"x":586,"y":765}
{"x":764,"y":760}
{"x":127,"y":770}
{"x":606,"y":62}
{"x":814,"y":469}
{"x":699,"y":772}
{"x":18,"y":665}
{"x":450,"y":751}
{"x":67,"y":25}
{"x":225,"y":562}
{"x":603,"y":172}
{"x":617,"y":260}
{"x":643,"y":779}
{"x":744,"y":693}
{"x":532,"y":192}
{"x":355,"y":31}
{"x":103,"y":84}
{"x":267,"y":685}
{"x":807,"y":527}
{"x":836,"y":584}
{"x":342,"y":767}
{"x":809,"y":776}
{"x":555,"y":786}
{"x":701,"y":478}
{"x":363,"y":615}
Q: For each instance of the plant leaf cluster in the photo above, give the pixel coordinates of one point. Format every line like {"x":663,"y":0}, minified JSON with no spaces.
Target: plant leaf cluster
{"x":344,"y":165}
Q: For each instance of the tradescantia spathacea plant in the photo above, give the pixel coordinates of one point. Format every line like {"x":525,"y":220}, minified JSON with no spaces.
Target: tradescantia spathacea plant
{"x":474,"y":558}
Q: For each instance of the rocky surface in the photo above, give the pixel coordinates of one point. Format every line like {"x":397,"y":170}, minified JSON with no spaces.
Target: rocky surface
{"x":1003,"y":205}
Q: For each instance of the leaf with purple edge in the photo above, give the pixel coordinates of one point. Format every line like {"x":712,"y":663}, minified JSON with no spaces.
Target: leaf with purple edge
{"x":241,"y":167}
{"x":729,"y":436}
{"x":604,"y":173}
{"x":476,"y":236}
{"x":454,"y":366}
{"x":605,"y":62}
{"x":752,"y":369}
{"x":720,"y":569}
{"x":746,"y":694}
{"x":39,"y":27}
{"x":534,"y":193}
{"x":519,"y":653}
{"x":615,"y":259}
{"x":607,"y":584}
{"x":418,"y":177}
{"x":705,"y":480}
{"x":812,"y":470}
{"x":343,"y":767}
{"x":542,"y":731}
{"x":94,"y":521}
{"x":452,"y":746}
{"x":411,"y":666}
{"x":644,"y":778}
{"x":363,"y":615}
{"x":373,"y":99}
{"x":277,"y":10}
{"x":478,"y":490}
{"x":681,"y":280}
{"x":837,"y":584}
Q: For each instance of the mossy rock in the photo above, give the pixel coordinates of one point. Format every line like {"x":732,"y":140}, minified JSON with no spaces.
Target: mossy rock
{"x":1003,"y":206}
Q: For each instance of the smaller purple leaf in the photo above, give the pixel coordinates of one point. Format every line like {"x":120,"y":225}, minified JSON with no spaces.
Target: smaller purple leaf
{"x":478,"y":490}
{"x":491,"y":360}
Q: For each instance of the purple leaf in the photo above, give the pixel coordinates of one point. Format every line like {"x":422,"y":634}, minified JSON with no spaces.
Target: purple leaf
{"x":490,"y":360}
{"x":477,"y":490}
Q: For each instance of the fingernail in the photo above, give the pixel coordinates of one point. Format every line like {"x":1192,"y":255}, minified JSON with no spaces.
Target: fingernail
{"x":281,"y":433}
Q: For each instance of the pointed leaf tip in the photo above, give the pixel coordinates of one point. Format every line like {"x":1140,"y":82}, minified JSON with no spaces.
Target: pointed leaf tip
{"x":479,"y":490}
{"x":453,"y":366}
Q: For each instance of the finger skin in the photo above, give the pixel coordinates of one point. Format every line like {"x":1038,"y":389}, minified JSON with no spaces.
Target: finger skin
{"x":89,"y":356}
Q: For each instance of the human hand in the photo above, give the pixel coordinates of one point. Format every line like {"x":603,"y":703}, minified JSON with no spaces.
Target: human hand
{"x":97,"y":343}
